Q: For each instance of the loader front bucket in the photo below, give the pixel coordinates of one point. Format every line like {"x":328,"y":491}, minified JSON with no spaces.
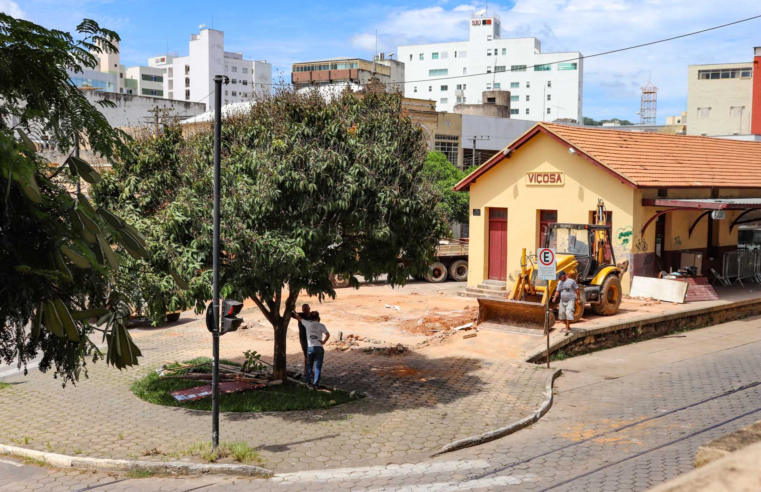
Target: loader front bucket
{"x":502,"y":314}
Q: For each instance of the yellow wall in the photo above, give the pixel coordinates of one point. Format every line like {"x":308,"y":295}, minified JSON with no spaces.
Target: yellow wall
{"x":504,"y":187}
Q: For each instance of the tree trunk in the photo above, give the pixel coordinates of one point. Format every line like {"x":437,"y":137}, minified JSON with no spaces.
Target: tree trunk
{"x":279,"y":369}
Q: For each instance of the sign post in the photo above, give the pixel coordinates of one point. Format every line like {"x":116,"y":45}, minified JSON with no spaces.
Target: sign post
{"x":547,"y":270}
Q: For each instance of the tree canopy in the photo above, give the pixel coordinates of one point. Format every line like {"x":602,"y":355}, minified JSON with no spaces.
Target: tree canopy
{"x":310,"y":187}
{"x":444,"y":175}
{"x":56,"y":260}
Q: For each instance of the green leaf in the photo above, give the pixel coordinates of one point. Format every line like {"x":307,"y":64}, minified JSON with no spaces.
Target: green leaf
{"x":89,"y":224}
{"x":75,"y":257}
{"x":52,"y":321}
{"x":68,"y":322}
{"x":90,"y":313}
{"x":112,"y":219}
{"x":61,"y":266}
{"x":85,"y":171}
{"x":181,"y":283}
{"x":113,"y":261}
{"x":85,"y":204}
{"x":27,"y":141}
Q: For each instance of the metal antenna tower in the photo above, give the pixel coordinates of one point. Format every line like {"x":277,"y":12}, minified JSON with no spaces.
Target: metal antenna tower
{"x":649,"y":106}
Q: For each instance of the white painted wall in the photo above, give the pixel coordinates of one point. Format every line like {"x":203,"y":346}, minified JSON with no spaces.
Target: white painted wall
{"x":720,"y":95}
{"x":130,"y":111}
{"x":465,"y":59}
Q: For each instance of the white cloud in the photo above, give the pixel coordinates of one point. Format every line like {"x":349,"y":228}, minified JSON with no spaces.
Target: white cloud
{"x":594,"y":26}
{"x":11,"y":8}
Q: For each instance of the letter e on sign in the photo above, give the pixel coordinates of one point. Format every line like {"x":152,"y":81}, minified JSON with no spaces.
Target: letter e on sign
{"x":546,"y":264}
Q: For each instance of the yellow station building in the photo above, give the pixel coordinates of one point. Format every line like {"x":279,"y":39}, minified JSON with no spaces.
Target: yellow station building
{"x":670,"y":199}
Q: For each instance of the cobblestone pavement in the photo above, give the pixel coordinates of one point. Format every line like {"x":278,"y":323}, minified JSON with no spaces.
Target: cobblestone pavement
{"x":624,"y":434}
{"x":417,"y":403}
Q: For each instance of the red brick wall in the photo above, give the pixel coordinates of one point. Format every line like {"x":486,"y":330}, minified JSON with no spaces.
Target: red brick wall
{"x":755,"y":123}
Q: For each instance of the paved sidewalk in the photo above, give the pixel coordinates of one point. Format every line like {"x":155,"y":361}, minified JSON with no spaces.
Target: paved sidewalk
{"x":418,"y":402}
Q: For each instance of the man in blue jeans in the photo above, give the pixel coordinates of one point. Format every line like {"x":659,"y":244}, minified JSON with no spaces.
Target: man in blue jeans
{"x":315,"y":351}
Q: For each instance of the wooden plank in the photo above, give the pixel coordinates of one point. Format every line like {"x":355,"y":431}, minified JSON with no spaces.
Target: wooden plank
{"x":660,"y":289}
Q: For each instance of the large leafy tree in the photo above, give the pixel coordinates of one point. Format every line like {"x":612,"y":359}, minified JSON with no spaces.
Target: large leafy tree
{"x":56,"y":258}
{"x":444,"y":175}
{"x":310,"y":187}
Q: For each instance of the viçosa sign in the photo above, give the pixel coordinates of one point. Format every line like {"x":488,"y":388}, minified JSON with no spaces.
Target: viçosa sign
{"x":545,"y":179}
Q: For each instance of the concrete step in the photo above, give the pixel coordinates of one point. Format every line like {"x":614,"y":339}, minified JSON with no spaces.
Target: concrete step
{"x":498,"y":283}
{"x":475,"y":292}
{"x":493,"y":287}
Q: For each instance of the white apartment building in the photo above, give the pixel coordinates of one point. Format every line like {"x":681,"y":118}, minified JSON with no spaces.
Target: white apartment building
{"x":543,"y":86}
{"x":720,"y":99}
{"x":144,"y":81}
{"x":191,"y":78}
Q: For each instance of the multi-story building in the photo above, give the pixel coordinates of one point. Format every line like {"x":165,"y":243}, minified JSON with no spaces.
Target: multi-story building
{"x":721,"y":98}
{"x":348,"y":71}
{"x":144,"y":81}
{"x":191,"y":78}
{"x":106,"y":76}
{"x":543,"y":86}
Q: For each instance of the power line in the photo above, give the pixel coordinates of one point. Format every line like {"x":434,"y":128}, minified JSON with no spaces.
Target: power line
{"x":602,"y":53}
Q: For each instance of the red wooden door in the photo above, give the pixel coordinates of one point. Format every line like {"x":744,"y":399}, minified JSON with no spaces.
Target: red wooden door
{"x":498,"y":244}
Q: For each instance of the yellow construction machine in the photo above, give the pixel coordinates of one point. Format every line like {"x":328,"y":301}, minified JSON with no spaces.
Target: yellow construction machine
{"x":585,"y":253}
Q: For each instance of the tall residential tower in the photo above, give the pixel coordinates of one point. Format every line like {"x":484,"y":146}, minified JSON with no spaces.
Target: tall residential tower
{"x":543,"y":86}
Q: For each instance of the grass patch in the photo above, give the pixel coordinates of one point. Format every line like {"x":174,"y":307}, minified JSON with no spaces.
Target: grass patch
{"x":240,"y":451}
{"x":559,"y":355}
{"x":274,"y":399}
{"x":139,"y":474}
{"x":4,"y":385}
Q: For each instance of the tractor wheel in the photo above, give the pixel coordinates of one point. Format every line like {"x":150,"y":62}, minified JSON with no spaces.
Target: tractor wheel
{"x":610,"y":297}
{"x":458,"y":270}
{"x":437,"y":273}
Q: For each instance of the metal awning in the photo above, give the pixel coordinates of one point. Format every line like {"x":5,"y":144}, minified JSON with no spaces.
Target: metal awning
{"x":704,"y":203}
{"x":708,"y":204}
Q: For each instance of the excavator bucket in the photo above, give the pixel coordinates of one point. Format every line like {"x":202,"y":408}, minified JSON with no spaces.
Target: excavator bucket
{"x":501,"y":314}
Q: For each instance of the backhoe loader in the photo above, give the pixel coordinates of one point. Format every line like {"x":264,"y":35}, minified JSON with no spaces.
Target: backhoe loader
{"x":585,"y":253}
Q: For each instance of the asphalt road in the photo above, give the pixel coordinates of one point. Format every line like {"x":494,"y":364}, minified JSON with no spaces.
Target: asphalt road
{"x":628,"y":431}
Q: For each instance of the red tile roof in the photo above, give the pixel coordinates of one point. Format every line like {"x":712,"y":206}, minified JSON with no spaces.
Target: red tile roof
{"x":649,"y":160}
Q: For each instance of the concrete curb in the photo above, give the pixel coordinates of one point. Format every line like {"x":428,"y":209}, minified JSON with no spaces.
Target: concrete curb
{"x":544,"y":407}
{"x":158,"y":467}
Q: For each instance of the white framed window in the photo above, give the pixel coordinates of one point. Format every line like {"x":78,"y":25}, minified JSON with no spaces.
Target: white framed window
{"x":499,"y":68}
{"x":517,"y":68}
{"x":422,"y":56}
{"x":459,"y":87}
{"x":549,"y":97}
{"x":504,"y":51}
{"x":704,"y":112}
{"x":548,"y":110}
{"x":430,"y":88}
{"x":488,"y":86}
{"x":438,"y":72}
{"x":434,"y":56}
{"x":515,"y":111}
{"x":528,"y":98}
{"x":414,"y":89}
{"x":244,"y":82}
{"x":496,"y":51}
{"x":410,"y":56}
{"x":234,"y":81}
{"x":444,"y":55}
{"x":235,"y":93}
{"x":514,"y":98}
{"x":235,"y":69}
{"x":444,"y":87}
{"x":736,"y":111}
{"x":459,"y":99}
{"x":528,"y":85}
{"x":526,"y":110}
{"x":245,"y":70}
{"x":489,"y":37}
{"x":488,"y":52}
{"x":444,"y":100}
{"x":488,"y":69}
{"x":515,"y":85}
{"x":549,"y":83}
{"x":464,"y":70}
{"x":497,"y":85}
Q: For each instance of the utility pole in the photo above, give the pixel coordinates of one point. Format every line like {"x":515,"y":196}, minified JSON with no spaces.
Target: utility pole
{"x":218,"y":81}
{"x":474,"y":139}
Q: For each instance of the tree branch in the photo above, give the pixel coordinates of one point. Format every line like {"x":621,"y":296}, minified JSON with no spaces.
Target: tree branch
{"x":263,"y":309}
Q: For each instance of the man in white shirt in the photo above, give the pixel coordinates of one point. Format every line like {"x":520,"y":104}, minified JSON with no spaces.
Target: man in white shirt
{"x":315,"y":351}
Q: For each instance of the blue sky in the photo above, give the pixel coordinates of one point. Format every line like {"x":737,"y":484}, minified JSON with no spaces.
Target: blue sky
{"x":283,"y":32}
